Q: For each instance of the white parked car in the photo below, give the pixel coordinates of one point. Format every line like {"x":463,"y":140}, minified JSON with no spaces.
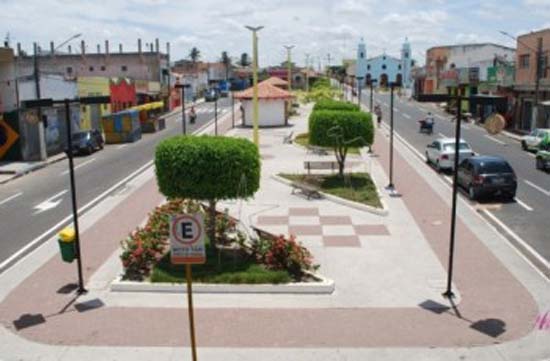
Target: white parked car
{"x":441,"y":153}
{"x":534,"y":138}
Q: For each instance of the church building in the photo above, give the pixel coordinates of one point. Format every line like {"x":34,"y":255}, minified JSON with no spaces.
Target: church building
{"x":385,"y":68}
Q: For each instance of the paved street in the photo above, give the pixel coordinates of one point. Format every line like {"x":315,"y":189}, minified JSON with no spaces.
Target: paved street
{"x":34,"y":207}
{"x":527,"y":217}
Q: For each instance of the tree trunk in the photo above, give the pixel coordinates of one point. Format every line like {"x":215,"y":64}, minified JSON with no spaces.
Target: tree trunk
{"x":341,"y":153}
{"x":212,"y":221}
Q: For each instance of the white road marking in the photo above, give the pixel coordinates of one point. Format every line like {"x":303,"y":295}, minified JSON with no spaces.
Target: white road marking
{"x":122,"y":146}
{"x":10,"y":198}
{"x":406,"y":115}
{"x":82,"y":209}
{"x":511,"y":233}
{"x":385,"y":104}
{"x":523,"y":204}
{"x":531,"y":154}
{"x":539,"y":188}
{"x":49,"y":203}
{"x":494,"y":139}
{"x":65,"y":172}
{"x":524,"y":244}
{"x":442,"y":135}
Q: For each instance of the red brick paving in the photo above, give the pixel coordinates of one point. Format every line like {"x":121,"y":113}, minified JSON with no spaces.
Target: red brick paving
{"x":335,"y":220}
{"x":296,"y":211}
{"x":488,"y":291}
{"x":371,"y":230}
{"x":341,"y":241}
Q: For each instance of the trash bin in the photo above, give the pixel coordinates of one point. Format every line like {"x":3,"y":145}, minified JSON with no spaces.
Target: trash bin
{"x":67,"y":244}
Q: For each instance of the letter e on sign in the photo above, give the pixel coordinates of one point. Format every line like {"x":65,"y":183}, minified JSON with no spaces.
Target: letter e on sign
{"x":187,"y":239}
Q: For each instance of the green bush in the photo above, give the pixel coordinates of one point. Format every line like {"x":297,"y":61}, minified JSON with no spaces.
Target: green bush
{"x":207,"y":168}
{"x":331,"y":104}
{"x":340,"y":130}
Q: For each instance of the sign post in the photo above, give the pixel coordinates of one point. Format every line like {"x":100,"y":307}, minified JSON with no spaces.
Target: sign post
{"x":187,"y":247}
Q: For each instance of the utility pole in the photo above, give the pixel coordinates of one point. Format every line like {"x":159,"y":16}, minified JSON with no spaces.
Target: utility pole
{"x":538,"y":59}
{"x":307,"y":72}
{"x":41,"y":138}
{"x":289,"y":66}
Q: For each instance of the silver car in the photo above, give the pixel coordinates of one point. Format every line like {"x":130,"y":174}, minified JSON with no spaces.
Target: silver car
{"x":441,"y":153}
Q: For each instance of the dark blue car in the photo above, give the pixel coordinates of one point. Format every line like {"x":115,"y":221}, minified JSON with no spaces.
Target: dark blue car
{"x":487,"y":176}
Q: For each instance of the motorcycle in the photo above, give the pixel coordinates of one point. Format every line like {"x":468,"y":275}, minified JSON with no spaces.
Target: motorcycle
{"x":426,"y":127}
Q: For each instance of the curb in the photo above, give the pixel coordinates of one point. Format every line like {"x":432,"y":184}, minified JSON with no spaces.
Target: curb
{"x":32,"y":169}
{"x":384,"y":211}
{"x":324,"y":286}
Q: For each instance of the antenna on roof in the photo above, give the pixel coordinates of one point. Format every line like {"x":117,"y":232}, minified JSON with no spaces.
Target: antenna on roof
{"x":7,"y":40}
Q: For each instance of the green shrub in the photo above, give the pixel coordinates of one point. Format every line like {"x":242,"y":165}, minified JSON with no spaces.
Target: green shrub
{"x":331,"y":104}
{"x":340,"y":130}
{"x":207,"y":168}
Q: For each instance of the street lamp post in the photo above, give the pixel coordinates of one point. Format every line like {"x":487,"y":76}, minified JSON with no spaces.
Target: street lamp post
{"x":289,"y":76}
{"x":359,"y":86}
{"x":255,"y":112}
{"x":391,"y":186}
{"x":307,"y":72}
{"x":232,"y":110}
{"x":216,"y":116}
{"x":39,"y":103}
{"x":182,"y":87}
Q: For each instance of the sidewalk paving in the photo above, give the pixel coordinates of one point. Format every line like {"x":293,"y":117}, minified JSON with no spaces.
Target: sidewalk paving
{"x":388,"y":272}
{"x":12,"y":170}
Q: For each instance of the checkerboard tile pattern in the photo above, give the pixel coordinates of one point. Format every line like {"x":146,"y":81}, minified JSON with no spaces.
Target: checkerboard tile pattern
{"x":330,"y":230}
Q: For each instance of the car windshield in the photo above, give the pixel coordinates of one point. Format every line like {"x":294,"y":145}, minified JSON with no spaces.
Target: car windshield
{"x":451,"y":146}
{"x":78,"y":136}
{"x":495,"y":166}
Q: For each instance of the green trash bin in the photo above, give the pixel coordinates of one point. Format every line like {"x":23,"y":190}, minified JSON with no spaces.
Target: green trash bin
{"x":66,"y":244}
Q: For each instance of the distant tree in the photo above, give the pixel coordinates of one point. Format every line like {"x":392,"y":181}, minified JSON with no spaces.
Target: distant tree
{"x":226,"y":60}
{"x":245,"y":60}
{"x":194,"y":55}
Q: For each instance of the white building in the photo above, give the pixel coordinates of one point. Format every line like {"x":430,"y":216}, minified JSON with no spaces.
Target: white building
{"x":272,"y":105}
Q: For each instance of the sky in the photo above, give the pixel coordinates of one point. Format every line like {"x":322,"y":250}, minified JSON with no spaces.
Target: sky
{"x":315,"y":27}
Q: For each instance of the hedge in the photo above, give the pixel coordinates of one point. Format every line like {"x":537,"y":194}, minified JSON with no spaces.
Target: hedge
{"x":353,"y":124}
{"x":331,"y":104}
{"x":207,"y":167}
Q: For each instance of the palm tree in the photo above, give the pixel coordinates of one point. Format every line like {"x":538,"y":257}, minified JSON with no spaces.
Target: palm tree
{"x":194,"y":55}
{"x":226,"y":60}
{"x":245,"y":61}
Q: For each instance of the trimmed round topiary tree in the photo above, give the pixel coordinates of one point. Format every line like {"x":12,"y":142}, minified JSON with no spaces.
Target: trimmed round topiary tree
{"x":331,"y":104}
{"x":207,"y":168}
{"x":340,"y":130}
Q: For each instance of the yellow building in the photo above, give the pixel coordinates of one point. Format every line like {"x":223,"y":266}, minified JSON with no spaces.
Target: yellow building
{"x":90,"y":115}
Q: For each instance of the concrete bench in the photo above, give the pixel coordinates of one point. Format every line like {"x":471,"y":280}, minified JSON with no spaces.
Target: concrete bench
{"x":320,"y":165}
{"x":316,"y":150}
{"x":305,"y":189}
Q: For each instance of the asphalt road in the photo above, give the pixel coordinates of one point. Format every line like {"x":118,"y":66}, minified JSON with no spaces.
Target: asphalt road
{"x":39,"y":204}
{"x":529,"y":215}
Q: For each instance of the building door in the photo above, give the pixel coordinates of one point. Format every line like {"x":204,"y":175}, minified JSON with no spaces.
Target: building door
{"x":526,"y":114}
{"x":383,"y":80}
{"x":399,"y":79}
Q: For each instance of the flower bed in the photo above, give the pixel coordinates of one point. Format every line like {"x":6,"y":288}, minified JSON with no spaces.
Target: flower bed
{"x":237,"y":259}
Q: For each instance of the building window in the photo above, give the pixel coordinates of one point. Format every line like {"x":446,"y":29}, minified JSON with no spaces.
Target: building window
{"x":124,"y":68}
{"x":524,"y":61}
{"x":383,"y":66}
{"x":69,"y":70}
{"x":383,"y":58}
{"x":103,"y":68}
{"x":362,"y":55}
{"x":406,"y":54}
{"x":91,"y":68}
{"x":368,"y":67}
{"x":399,"y":67}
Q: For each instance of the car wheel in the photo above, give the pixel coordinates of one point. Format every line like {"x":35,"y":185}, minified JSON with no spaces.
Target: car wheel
{"x":438,"y":167}
{"x":100,"y":146}
{"x":89,"y":149}
{"x":472,"y":193}
{"x":523,"y":145}
{"x":540,"y":164}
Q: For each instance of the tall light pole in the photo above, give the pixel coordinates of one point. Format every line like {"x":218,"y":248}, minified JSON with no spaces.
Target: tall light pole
{"x":371,"y":85}
{"x":289,"y":75}
{"x":183,"y":120}
{"x":255,"y":111}
{"x":538,"y":73}
{"x":391,"y":186}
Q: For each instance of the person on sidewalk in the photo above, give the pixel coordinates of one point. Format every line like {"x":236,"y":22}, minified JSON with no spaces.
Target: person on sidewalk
{"x":192,"y":115}
{"x":378,"y":112}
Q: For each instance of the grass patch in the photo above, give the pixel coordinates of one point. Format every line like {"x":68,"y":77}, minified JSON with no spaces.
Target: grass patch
{"x":357,"y":187}
{"x":230,"y":270}
{"x":303,"y":140}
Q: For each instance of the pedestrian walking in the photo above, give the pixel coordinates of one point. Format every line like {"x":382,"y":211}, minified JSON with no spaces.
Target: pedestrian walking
{"x":378,"y":112}
{"x":192,"y":115}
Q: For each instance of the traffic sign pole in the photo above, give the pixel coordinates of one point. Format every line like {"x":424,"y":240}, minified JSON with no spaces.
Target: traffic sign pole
{"x":188,"y":277}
